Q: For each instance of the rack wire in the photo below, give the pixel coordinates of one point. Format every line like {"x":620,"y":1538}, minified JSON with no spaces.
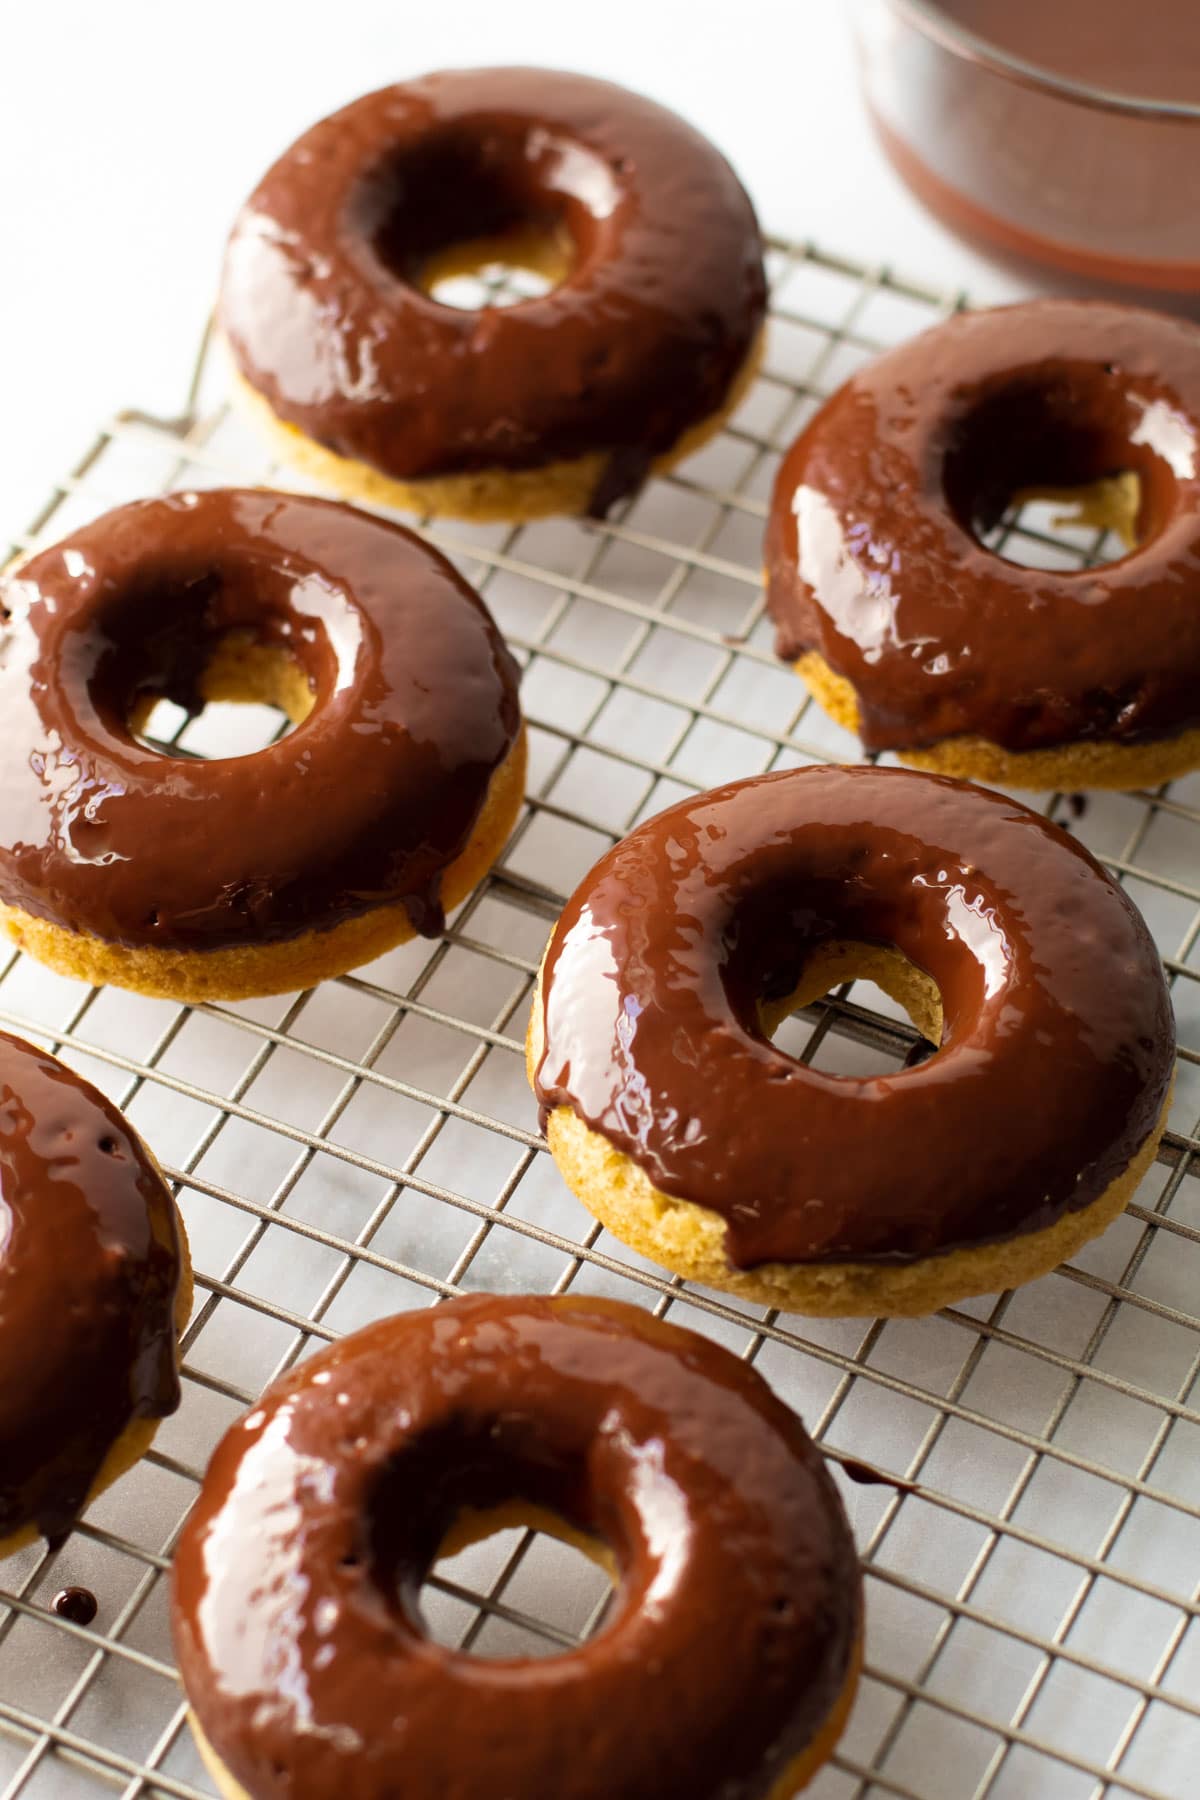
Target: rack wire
{"x":1033,"y":1577}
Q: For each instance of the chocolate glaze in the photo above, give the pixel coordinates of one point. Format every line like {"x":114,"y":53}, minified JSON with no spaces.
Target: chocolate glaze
{"x":1056,"y":1053}
{"x":365,"y":803}
{"x":641,"y":340}
{"x":78,"y":1604}
{"x":871,"y":557}
{"x":296,"y":1580}
{"x":89,"y":1265}
{"x":866,"y":1476}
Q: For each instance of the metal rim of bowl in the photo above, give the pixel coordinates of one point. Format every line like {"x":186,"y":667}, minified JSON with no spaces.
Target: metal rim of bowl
{"x":928,"y":18}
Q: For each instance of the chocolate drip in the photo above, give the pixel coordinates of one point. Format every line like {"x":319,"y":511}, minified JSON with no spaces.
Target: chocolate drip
{"x":364,"y":804}
{"x":1056,"y":1054}
{"x":662,"y":303}
{"x":866,"y":1476}
{"x":78,"y":1604}
{"x":89,"y":1265}
{"x":427,"y":913}
{"x":623,"y":473}
{"x":738,"y":1591}
{"x":872,"y":554}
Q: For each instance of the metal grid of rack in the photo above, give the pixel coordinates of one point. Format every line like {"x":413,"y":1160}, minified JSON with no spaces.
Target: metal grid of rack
{"x":1033,"y":1577}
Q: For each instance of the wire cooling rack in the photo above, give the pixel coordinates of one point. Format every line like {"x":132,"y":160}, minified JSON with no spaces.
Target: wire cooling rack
{"x":1034,"y":1583}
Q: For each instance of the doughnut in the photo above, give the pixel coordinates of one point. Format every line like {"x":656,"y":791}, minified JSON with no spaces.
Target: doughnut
{"x":265,"y":873}
{"x":563,"y":403}
{"x":730,"y":1656}
{"x":679,"y":1124}
{"x":912,"y":633}
{"x":95,"y":1288}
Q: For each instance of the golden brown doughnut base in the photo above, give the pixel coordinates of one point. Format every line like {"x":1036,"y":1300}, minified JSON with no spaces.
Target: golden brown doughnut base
{"x":689,"y":1240}
{"x":817,"y":1752}
{"x":1113,"y":503}
{"x":470,"y":1528}
{"x":1069,"y":767}
{"x":242,"y":970}
{"x":486,"y":495}
{"x":139,"y":1434}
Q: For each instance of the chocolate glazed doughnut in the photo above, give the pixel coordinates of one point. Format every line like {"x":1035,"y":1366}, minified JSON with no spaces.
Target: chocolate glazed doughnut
{"x":95,"y":1286}
{"x":561,"y":403}
{"x":912,"y":633}
{"x":261,"y":873}
{"x":730,"y":1656}
{"x":683,"y":1128}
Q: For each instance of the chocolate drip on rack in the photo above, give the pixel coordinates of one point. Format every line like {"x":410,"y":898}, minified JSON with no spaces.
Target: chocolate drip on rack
{"x":78,"y":1604}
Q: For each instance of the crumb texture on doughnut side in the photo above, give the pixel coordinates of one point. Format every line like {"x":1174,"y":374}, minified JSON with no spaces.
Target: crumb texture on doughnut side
{"x":690,"y":1241}
{"x":1068,"y":767}
{"x":678,"y":1122}
{"x":486,"y":496}
{"x":285,"y":967}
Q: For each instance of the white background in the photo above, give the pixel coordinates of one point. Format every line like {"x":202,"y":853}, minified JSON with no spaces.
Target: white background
{"x":131,"y":130}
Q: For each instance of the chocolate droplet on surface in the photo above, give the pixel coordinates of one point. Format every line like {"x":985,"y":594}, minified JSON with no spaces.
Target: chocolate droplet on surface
{"x":866,"y":1476}
{"x":78,"y":1604}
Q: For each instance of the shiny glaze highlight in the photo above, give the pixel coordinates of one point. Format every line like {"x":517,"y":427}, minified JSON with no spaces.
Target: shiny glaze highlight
{"x":363,"y":804}
{"x":738,"y":1599}
{"x":662,"y":304}
{"x":89,"y":1266}
{"x":1058,"y":1042}
{"x":872,"y":558}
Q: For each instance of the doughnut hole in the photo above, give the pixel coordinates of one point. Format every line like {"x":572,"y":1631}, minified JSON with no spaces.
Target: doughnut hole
{"x":875,"y":967}
{"x":1081,"y":438}
{"x":241,"y":674}
{"x":507,"y":1572}
{"x":522,"y":264}
{"x":516,"y":1582}
{"x":492,"y":216}
{"x":220,"y":662}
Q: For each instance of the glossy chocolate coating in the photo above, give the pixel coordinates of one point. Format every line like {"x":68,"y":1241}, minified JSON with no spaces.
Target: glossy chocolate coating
{"x":364,"y":804}
{"x":872,"y":561}
{"x":738,"y":1593}
{"x":89,"y":1266}
{"x":641,"y":340}
{"x":1058,"y":1040}
{"x":77,"y":1604}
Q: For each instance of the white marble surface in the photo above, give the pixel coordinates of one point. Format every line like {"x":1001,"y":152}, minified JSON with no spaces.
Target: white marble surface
{"x":131,"y":130}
